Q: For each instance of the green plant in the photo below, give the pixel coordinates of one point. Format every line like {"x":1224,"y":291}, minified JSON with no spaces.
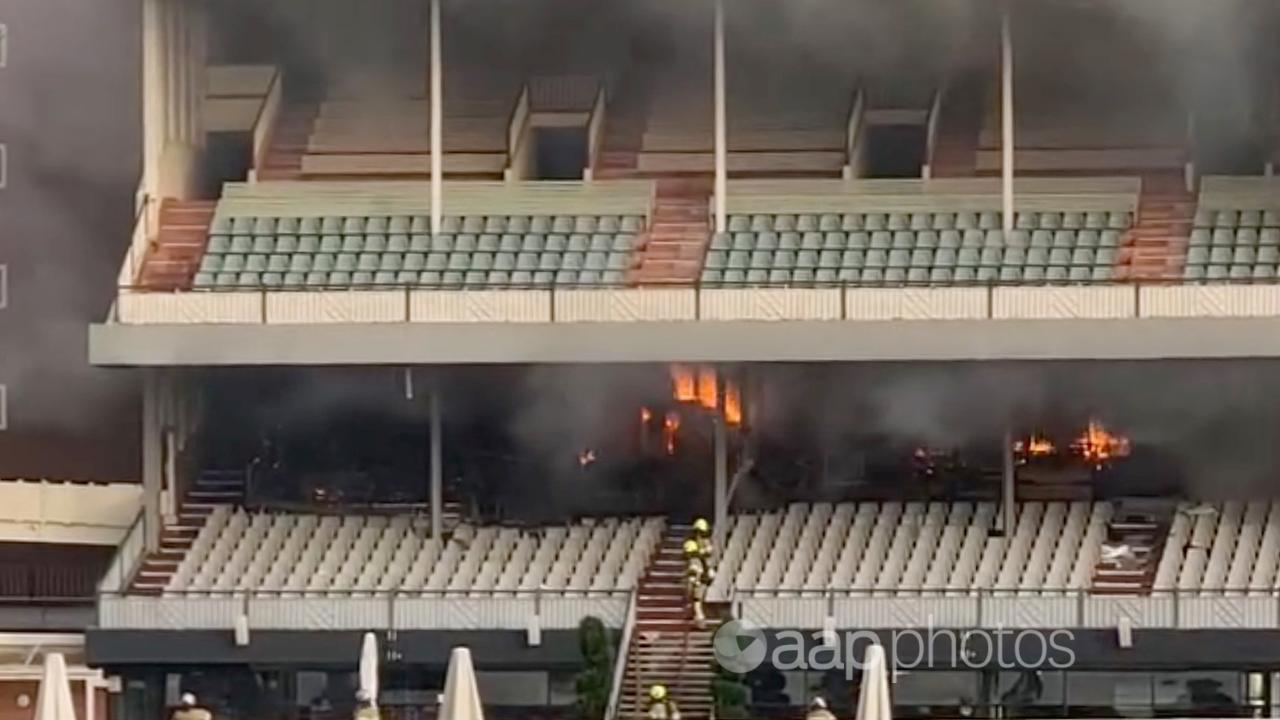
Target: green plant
{"x":597,"y":669}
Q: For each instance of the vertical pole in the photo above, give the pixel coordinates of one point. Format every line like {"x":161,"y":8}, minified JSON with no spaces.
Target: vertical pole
{"x":152,"y":462}
{"x":721,"y":121}
{"x":1006,"y":118}
{"x":437,"y":466}
{"x":89,"y":690}
{"x":1008,"y":512}
{"x":721,"y":509}
{"x":437,"y":122}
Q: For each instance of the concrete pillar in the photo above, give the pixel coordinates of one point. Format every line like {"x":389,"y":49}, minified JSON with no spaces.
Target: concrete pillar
{"x":721,"y":449}
{"x":1008,"y":498}
{"x":437,"y":467}
{"x":1006,"y":119}
{"x":152,"y":457}
{"x":437,"y":120}
{"x":721,"y":123}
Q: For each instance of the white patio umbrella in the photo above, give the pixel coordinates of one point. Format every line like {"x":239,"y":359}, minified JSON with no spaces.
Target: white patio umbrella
{"x":369,"y":667}
{"x":461,"y":699}
{"x":54,"y":699}
{"x":873,"y":697}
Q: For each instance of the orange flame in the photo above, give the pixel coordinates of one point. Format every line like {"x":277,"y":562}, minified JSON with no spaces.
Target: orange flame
{"x":670,"y":426}
{"x":683,"y":383}
{"x":645,"y":415}
{"x":1097,"y":446}
{"x":1034,"y":446}
{"x":732,"y":404}
{"x":707,"y":387}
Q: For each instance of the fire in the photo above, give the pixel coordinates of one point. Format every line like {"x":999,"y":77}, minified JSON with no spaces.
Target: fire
{"x":1036,"y":445}
{"x":586,"y":457}
{"x":670,"y":426}
{"x":699,"y":384}
{"x":707,"y":387}
{"x":1097,"y":446}
{"x":645,"y":415}
{"x":732,"y":404}
{"x":683,"y":382}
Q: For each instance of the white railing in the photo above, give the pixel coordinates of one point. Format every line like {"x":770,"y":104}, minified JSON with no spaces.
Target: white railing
{"x":127,"y":558}
{"x":517,"y":133}
{"x":349,"y":610}
{"x":145,"y":218}
{"x":620,"y":662}
{"x":595,"y":133}
{"x":853,"y":136}
{"x":265,"y":124}
{"x":1015,"y":608}
{"x":693,"y":304}
{"x":931,"y":134}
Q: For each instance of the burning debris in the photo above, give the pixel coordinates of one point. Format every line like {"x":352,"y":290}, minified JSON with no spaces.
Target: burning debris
{"x":670,"y":428}
{"x":1095,"y":446}
{"x":699,"y":385}
{"x":586,"y":458}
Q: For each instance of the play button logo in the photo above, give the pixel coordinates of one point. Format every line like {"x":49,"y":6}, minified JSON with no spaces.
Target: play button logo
{"x":740,"y":646}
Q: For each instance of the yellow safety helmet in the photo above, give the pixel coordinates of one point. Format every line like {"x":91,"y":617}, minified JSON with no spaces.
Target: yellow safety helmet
{"x":690,"y":546}
{"x":701,"y":525}
{"x":658,"y":692}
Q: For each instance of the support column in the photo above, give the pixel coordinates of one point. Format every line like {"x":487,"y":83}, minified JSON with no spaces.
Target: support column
{"x":437,"y":122}
{"x":1006,"y":118}
{"x":153,"y":117}
{"x":90,"y":687}
{"x":721,"y":443}
{"x":1008,"y":508}
{"x":152,"y":460}
{"x":437,"y":466}
{"x":720,"y":121}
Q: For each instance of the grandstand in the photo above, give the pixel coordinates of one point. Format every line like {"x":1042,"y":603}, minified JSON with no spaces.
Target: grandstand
{"x":451,"y":317}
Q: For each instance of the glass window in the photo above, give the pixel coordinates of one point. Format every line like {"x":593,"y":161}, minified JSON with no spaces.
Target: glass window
{"x":1199,"y":692}
{"x":1109,"y":693}
{"x":524,"y":689}
{"x":936,"y":688}
{"x":1031,"y":689}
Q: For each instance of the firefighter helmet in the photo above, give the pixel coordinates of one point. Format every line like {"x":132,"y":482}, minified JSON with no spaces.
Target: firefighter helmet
{"x":701,"y":526}
{"x":691,"y":547}
{"x":658,"y":692}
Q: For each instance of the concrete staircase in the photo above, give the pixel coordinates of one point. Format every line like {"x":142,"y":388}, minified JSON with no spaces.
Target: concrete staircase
{"x":288,"y":143}
{"x":675,"y":245}
{"x":174,"y":253}
{"x":666,"y":646}
{"x":211,"y":489}
{"x":1143,"y":527}
{"x":956,"y":151}
{"x":1155,"y":248}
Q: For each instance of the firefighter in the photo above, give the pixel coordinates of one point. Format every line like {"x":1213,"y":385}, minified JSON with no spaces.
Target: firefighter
{"x":695,"y":579}
{"x":702,"y":535}
{"x":189,"y":710}
{"x":818,"y":710}
{"x":662,"y":707}
{"x":365,"y":709}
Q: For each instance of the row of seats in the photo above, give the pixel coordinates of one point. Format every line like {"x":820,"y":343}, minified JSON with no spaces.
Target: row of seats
{"x":408,"y":224}
{"x":911,"y":548}
{"x":319,"y":555}
{"x":492,"y":251}
{"x":1231,"y":548}
{"x":1233,"y":245}
{"x":1251,"y":218}
{"x":912,"y":239}
{"x":975,"y":220}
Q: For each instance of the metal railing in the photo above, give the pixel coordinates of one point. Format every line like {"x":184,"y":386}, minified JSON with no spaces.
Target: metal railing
{"x":128,"y":557}
{"x":1173,"y":608}
{"x":620,"y":662}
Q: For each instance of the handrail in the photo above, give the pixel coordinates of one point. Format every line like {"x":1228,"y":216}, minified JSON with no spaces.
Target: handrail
{"x":265,"y":122}
{"x":127,"y":557}
{"x":136,"y":254}
{"x":595,"y":133}
{"x":853,"y":134}
{"x":739,"y":593}
{"x":931,"y":133}
{"x":620,"y":662}
{"x":415,"y":593}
